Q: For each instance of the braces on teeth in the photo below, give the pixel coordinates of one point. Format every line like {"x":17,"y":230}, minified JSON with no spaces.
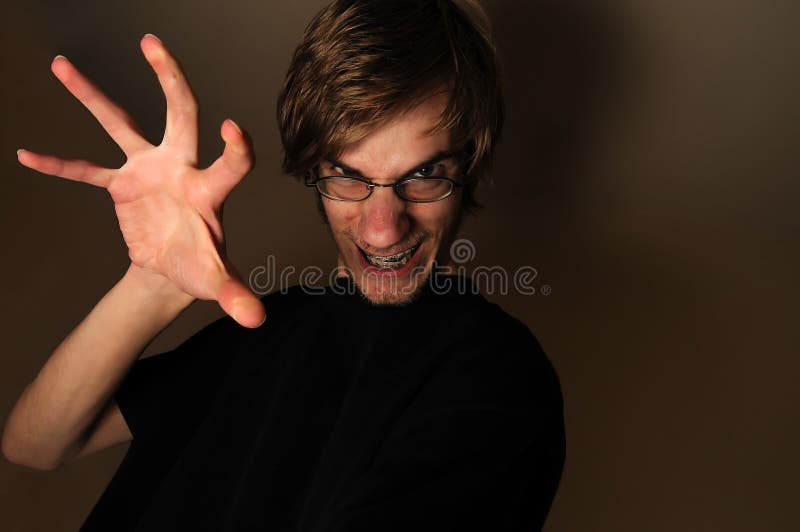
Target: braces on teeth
{"x":399,"y":259}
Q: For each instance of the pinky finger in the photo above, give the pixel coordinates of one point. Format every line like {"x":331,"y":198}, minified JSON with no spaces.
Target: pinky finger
{"x":236,"y":160}
{"x":73,"y":169}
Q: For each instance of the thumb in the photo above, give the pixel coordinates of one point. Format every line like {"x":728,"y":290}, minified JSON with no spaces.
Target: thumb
{"x":240,"y":303}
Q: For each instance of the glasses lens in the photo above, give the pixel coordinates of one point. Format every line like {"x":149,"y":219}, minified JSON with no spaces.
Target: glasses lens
{"x":343,"y":188}
{"x":431,"y":189}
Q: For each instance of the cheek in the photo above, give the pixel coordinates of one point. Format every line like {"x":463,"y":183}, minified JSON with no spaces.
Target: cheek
{"x":341,"y":214}
{"x":434,"y":217}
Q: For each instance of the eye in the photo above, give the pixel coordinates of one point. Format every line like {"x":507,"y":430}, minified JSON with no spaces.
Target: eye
{"x":426,"y":171}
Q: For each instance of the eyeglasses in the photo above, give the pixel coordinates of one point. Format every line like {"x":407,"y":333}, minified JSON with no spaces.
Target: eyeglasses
{"x":414,"y":189}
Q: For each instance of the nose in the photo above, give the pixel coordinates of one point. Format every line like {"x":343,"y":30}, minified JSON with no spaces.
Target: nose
{"x":384,"y":219}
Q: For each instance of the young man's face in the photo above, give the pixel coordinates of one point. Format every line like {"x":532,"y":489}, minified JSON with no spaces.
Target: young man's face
{"x":384,"y":225}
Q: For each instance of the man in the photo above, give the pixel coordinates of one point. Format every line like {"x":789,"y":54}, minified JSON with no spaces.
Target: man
{"x":396,"y":400}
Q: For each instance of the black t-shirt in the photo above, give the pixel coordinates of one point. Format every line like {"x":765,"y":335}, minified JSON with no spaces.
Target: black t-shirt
{"x":340,"y":416}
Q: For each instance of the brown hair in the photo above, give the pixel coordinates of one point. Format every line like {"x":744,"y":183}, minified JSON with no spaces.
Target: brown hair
{"x":362,"y":62}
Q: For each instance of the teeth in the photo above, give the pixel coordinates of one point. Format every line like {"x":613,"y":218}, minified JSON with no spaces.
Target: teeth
{"x":391,"y":261}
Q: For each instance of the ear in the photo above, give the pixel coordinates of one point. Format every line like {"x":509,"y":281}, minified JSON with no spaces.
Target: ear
{"x":309,"y":177}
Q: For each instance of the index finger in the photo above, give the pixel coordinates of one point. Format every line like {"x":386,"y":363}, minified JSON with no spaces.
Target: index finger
{"x":113,"y":118}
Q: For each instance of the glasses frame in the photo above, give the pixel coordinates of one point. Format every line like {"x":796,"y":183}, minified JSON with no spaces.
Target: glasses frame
{"x":312,"y":181}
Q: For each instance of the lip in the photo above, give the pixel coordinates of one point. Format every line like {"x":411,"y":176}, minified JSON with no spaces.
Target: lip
{"x":369,"y":269}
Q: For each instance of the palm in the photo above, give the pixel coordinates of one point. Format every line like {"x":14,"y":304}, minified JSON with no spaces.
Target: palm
{"x":161,"y":217}
{"x":168,"y":210}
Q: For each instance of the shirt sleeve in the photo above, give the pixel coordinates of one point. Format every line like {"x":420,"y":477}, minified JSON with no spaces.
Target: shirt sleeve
{"x":482,"y":448}
{"x":163,"y":397}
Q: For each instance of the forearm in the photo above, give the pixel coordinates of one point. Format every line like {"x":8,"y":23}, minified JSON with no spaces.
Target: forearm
{"x":57,"y":408}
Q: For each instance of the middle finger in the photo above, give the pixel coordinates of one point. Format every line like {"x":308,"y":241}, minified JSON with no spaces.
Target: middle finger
{"x":181,"y":129}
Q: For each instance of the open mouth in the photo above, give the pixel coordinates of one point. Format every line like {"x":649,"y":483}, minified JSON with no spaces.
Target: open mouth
{"x":398,"y":260}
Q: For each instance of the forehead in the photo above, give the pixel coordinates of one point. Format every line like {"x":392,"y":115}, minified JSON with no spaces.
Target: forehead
{"x":402,"y":141}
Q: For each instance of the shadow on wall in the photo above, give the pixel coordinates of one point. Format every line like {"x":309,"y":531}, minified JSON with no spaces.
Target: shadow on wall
{"x":567,"y":64}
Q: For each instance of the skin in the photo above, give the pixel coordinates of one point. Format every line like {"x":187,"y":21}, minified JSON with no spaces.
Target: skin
{"x":169,"y":210}
{"x":384,"y":224}
{"x":170,"y":215}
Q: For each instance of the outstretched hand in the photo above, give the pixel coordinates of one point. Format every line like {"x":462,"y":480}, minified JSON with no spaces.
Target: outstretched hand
{"x":169,"y":211}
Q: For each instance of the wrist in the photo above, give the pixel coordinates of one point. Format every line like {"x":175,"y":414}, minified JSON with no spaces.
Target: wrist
{"x":156,"y":285}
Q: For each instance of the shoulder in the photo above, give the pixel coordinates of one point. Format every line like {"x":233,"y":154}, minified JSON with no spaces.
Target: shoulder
{"x":282,"y":308}
{"x":285,"y":307}
{"x":292,"y":300}
{"x":495,"y":378}
{"x":501,"y":363}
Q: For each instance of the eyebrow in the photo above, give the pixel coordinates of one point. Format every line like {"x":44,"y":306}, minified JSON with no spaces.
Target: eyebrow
{"x":434,"y":159}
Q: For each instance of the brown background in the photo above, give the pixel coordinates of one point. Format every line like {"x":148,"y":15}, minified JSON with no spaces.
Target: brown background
{"x":648,"y":172}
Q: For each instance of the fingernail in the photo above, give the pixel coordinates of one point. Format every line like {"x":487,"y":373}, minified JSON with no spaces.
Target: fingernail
{"x":59,"y":56}
{"x":262,"y":322}
{"x":238,"y":145}
{"x":241,"y":306}
{"x":236,"y":311}
{"x":153,"y":36}
{"x":20,"y":151}
{"x":234,"y":124}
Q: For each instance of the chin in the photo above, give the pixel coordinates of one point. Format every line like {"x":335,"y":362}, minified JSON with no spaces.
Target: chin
{"x":384,"y":286}
{"x":391,"y":292}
